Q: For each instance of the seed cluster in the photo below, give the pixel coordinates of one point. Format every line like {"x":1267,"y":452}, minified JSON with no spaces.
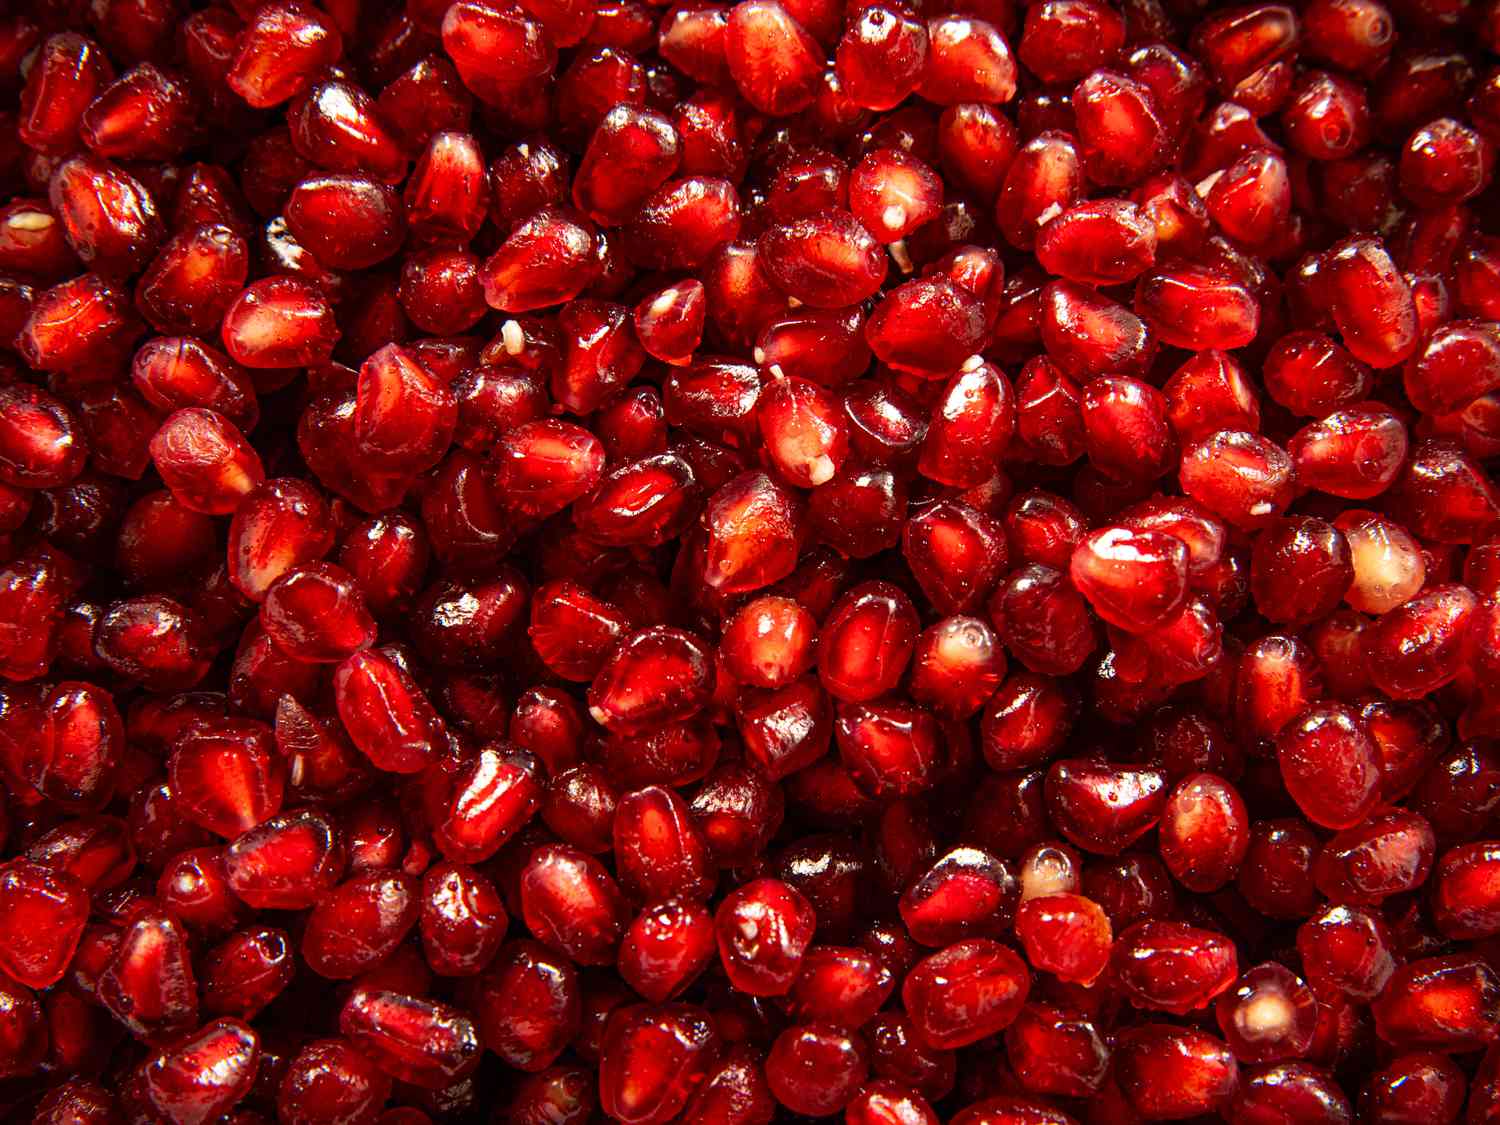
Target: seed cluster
{"x":651,"y":561}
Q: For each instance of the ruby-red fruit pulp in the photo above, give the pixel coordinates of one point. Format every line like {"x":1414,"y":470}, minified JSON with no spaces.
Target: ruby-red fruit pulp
{"x":757,"y":559}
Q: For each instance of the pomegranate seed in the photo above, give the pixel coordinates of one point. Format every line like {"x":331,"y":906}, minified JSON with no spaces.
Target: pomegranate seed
{"x":965,"y":992}
{"x":1068,"y":38}
{"x":385,"y":713}
{"x":777,"y":516}
{"x":753,"y":528}
{"x":44,"y":913}
{"x":654,"y":1058}
{"x":1054,"y":1051}
{"x":1420,"y":1084}
{"x":279,"y":322}
{"x":1443,"y":1003}
{"x":1121,"y":135}
{"x":773,"y":60}
{"x":1065,"y":934}
{"x":1419,"y":645}
{"x":41,"y":445}
{"x":282,"y":48}
{"x":205,"y":1074}
{"x":1388,"y":854}
{"x":148,"y":984}
{"x":571,"y":904}
{"x":816,"y":1068}
{"x":68,"y":72}
{"x":424,"y":1042}
{"x":328,"y":1077}
{"x":1165,"y":1071}
{"x":763,"y":930}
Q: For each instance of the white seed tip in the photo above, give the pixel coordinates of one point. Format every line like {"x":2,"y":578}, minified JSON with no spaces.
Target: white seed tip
{"x":663,"y":302}
{"x":902,"y":258}
{"x":973,"y":363}
{"x":512,"y":337}
{"x":31,"y":221}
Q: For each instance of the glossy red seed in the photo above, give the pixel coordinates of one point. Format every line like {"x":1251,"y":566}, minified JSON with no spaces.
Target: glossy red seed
{"x":1419,"y":646}
{"x":385,"y":713}
{"x":1086,"y":334}
{"x":965,"y":992}
{"x":1328,"y":762}
{"x":424,"y":1042}
{"x":148,"y":984}
{"x":203,"y":1075}
{"x":328,"y":1077}
{"x":773,"y":60}
{"x":1172,"y":967}
{"x":527,"y":1005}
{"x":571,"y":903}
{"x":283,"y":47}
{"x":866,"y":642}
{"x":1066,"y":935}
{"x":1168,"y":1072}
{"x":1445,"y":1002}
{"x":654,"y":1057}
{"x":280,"y":322}
{"x":359,"y":923}
{"x":929,"y":327}
{"x":763,"y":930}
{"x":44,"y":913}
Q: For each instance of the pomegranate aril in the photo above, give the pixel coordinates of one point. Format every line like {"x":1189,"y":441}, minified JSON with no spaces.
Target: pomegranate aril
{"x":927,"y":327}
{"x":570,"y":903}
{"x":1045,"y":179}
{"x":971,"y":427}
{"x":1442,"y":1003}
{"x":1066,"y":935}
{"x":110,"y":218}
{"x":67,"y":73}
{"x":203,"y":1075}
{"x":753,"y":531}
{"x":965,"y":992}
{"x":659,"y":852}
{"x":1168,"y":1072}
{"x":1121,"y":135}
{"x":682,"y":223}
{"x":148,"y":984}
{"x":1136,"y":580}
{"x":654,"y":1057}
{"x":763,"y":928}
{"x":281,"y":50}
{"x":386,"y":713}
{"x":315,"y":613}
{"x":279,"y":322}
{"x":41,"y":442}
{"x":1346,"y":950}
{"x":84,"y":322}
{"x":631,"y":154}
{"x":44,"y":914}
{"x":424,"y":1042}
{"x":773,"y":60}
{"x":1103,"y":242}
{"x":329,"y":1077}
{"x":1420,"y":645}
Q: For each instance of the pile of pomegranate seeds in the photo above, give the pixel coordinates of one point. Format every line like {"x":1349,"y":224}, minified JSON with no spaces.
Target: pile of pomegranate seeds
{"x":926,"y":561}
